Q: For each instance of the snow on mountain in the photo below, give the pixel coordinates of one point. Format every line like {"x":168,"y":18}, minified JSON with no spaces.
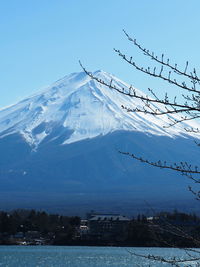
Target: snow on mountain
{"x":84,"y":108}
{"x":40,"y":172}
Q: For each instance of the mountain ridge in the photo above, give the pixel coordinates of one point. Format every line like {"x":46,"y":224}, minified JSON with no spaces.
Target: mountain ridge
{"x":83,"y":107}
{"x":59,"y":151}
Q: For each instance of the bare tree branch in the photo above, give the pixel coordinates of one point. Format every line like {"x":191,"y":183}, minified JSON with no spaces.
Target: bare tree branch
{"x":186,"y":109}
{"x":191,"y":76}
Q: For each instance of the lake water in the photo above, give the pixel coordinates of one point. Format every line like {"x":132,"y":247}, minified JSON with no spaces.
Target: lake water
{"x":54,"y":256}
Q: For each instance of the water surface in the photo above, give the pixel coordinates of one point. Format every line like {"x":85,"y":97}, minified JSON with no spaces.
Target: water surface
{"x":55,"y":256}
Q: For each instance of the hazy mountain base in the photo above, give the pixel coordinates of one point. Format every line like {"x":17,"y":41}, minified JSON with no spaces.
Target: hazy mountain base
{"x":91,"y":174}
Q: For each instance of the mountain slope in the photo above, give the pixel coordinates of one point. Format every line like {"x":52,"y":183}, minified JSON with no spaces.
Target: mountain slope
{"x":59,"y":150}
{"x":81,"y":107}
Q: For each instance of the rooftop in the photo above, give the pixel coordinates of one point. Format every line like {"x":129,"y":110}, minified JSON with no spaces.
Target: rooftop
{"x":107,"y":217}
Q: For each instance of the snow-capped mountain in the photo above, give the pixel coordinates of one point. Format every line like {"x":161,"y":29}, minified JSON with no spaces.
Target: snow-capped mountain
{"x":59,"y":151}
{"x":82,"y":107}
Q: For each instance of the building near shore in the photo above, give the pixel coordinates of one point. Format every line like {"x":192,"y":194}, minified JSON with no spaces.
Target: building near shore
{"x":108,"y":226}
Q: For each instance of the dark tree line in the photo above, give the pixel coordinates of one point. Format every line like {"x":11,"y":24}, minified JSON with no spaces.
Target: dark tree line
{"x":64,"y":230}
{"x":54,"y":227}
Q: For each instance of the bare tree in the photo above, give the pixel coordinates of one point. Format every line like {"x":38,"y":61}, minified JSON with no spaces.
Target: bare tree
{"x":185,"y":107}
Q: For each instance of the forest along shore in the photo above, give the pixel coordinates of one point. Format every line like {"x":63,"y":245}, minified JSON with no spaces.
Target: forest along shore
{"x":30,"y":227}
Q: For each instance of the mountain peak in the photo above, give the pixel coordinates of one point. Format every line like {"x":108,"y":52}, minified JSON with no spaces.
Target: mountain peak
{"x":101,"y":72}
{"x":76,"y":108}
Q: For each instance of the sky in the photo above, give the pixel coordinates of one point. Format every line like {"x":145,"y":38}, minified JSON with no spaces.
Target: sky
{"x":42,"y":41}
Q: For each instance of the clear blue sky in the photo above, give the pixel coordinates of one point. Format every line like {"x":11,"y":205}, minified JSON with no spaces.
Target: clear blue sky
{"x":42,"y":40}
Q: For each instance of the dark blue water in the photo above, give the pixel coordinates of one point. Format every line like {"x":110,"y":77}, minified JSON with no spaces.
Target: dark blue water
{"x":53,"y":256}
